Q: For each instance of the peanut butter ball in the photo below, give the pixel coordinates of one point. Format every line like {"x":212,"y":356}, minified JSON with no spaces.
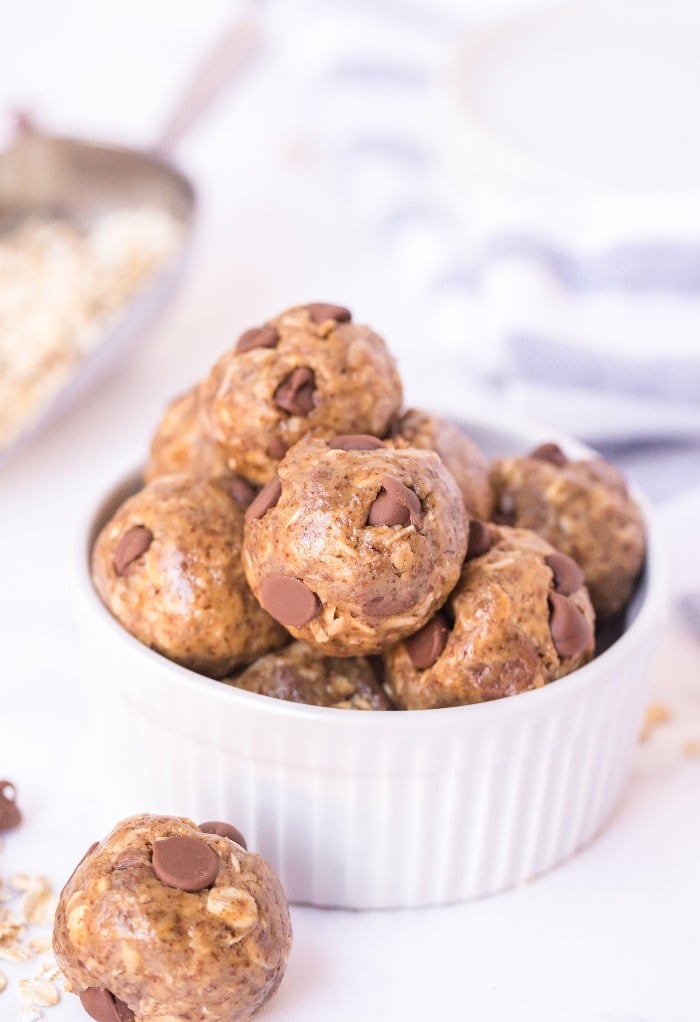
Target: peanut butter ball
{"x":168,"y":567}
{"x":459,"y":453}
{"x":583,"y":508}
{"x":519,"y":617}
{"x":300,"y":674}
{"x":354,"y":544}
{"x":180,"y":443}
{"x":164,"y":920}
{"x":310,"y":370}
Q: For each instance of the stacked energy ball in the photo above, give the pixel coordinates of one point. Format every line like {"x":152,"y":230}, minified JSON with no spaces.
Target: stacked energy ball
{"x":290,"y":496}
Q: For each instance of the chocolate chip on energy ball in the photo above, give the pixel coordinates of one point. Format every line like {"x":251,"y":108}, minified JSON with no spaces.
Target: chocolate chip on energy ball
{"x":258,"y":337}
{"x":395,"y":504}
{"x":266,"y":499}
{"x":549,"y":452}
{"x":242,"y":491}
{"x":224,"y":830}
{"x":568,"y":577}
{"x":103,"y":1006}
{"x":479,"y":539}
{"x":426,"y":645}
{"x":355,"y":442}
{"x":295,"y":394}
{"x":288,"y":600}
{"x":131,"y":546}
{"x":185,"y":863}
{"x":320,"y":312}
{"x":277,"y":448}
{"x":571,"y":632}
{"x":10,"y":816}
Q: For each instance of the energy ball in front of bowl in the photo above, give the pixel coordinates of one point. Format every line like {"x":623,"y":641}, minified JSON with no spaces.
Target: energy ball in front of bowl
{"x":310,"y":370}
{"x":168,"y":567}
{"x":355,"y":544}
{"x":167,"y":920}
{"x":583,"y":508}
{"x":519,"y":617}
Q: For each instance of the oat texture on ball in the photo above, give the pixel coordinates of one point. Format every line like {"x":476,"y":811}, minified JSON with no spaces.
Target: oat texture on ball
{"x":355,"y":544}
{"x":165,"y":920}
{"x":519,"y":617}
{"x":180,"y":443}
{"x":309,"y":370}
{"x":584,"y":509}
{"x":168,"y":567}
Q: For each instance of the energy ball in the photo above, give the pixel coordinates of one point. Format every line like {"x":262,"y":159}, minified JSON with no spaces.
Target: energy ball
{"x":168,"y":567}
{"x":519,"y":617}
{"x":354,"y":544}
{"x":583,"y":509}
{"x":180,"y":443}
{"x":165,"y":921}
{"x":310,"y":370}
{"x":301,"y":675}
{"x":459,"y":454}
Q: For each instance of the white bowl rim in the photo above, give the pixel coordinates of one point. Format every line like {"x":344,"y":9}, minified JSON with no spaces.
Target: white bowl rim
{"x":651,"y":596}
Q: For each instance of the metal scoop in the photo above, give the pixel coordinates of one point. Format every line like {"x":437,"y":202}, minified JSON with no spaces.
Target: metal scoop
{"x":78,"y":182}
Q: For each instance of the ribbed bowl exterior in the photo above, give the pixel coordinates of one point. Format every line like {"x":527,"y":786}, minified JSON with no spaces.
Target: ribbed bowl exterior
{"x":373,"y":809}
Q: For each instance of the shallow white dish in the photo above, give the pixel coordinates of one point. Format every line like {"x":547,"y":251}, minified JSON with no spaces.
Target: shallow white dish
{"x":375,"y":809}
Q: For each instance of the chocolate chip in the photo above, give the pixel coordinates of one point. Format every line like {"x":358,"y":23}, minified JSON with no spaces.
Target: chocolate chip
{"x":242,"y":491}
{"x":355,"y":442}
{"x":395,"y":504}
{"x":131,"y":546}
{"x":425,"y":646}
{"x":128,"y":858}
{"x":224,"y":830}
{"x":551,"y":453}
{"x":267,"y":498}
{"x":320,"y":312}
{"x":479,"y":539}
{"x":103,"y":1006}
{"x":288,"y":600}
{"x":10,"y":816}
{"x":276,"y":448}
{"x":568,"y":577}
{"x":185,"y":863}
{"x":295,"y":394}
{"x":571,"y":632}
{"x":258,"y":337}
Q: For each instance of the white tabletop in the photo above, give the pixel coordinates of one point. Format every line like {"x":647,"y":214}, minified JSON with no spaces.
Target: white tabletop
{"x":611,"y":936}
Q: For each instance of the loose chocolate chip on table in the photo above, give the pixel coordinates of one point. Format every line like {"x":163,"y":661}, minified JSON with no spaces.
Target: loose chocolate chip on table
{"x":10,"y":816}
{"x":295,"y":394}
{"x":258,"y":337}
{"x":185,"y":863}
{"x":288,"y":600}
{"x":395,"y":504}
{"x":568,"y":577}
{"x":224,"y":830}
{"x":267,"y":498}
{"x":551,"y":453}
{"x":103,"y":1006}
{"x":131,"y":546}
{"x":320,"y":312}
{"x":242,"y":491}
{"x":355,"y":442}
{"x":479,"y":539}
{"x":425,"y":646}
{"x":571,"y":632}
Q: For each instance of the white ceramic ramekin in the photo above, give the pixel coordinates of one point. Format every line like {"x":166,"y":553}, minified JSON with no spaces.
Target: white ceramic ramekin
{"x":375,"y":809}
